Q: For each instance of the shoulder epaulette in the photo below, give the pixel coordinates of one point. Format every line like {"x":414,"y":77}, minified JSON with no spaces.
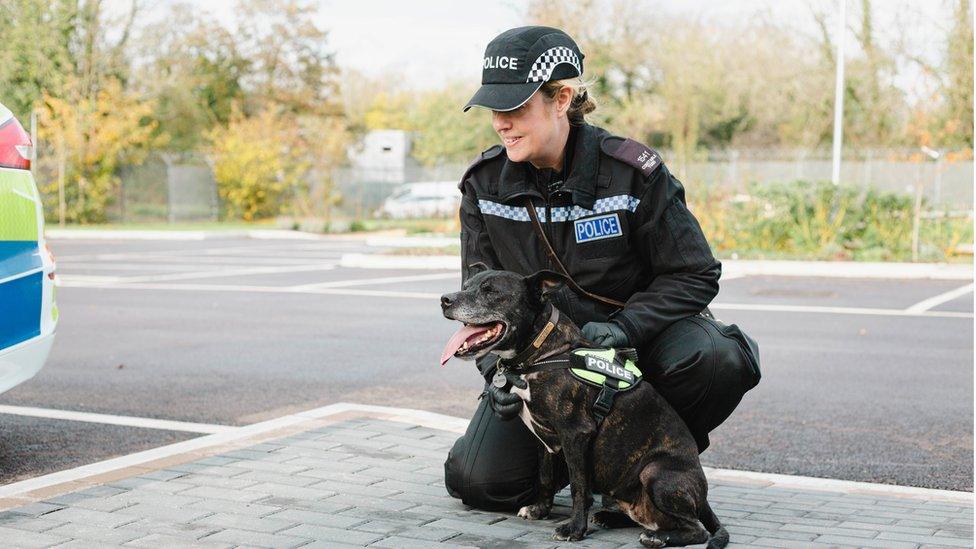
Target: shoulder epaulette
{"x":492,"y":152}
{"x":488,"y":154}
{"x":633,"y":153}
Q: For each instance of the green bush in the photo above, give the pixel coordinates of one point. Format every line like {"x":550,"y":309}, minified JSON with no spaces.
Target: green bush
{"x":819,"y":220}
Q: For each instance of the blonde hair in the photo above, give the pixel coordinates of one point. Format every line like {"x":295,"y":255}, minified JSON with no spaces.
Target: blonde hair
{"x":579,"y":105}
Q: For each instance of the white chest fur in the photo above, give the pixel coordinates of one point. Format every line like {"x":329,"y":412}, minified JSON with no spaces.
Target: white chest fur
{"x":524,"y":413}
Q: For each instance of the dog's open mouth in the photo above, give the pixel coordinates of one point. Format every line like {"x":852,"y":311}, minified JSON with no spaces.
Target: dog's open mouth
{"x":472,"y":338}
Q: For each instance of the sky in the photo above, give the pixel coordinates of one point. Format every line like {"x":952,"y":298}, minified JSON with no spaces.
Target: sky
{"x":429,"y":42}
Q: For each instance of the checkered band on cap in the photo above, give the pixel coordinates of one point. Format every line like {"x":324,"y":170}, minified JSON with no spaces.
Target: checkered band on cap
{"x":543,"y":66}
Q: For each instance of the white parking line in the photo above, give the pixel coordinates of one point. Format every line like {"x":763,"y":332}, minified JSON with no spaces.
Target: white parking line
{"x":174,"y":267}
{"x":837,"y":310}
{"x":931,"y":302}
{"x":382,"y":280}
{"x":76,"y":283}
{"x":126,"y":255}
{"x":230,"y":272}
{"x":247,"y":251}
{"x":110,"y":419}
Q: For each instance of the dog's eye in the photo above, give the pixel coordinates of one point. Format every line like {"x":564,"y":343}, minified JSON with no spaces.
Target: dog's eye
{"x":486,"y":288}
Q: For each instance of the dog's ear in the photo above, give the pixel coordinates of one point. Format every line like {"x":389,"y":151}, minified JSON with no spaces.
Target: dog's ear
{"x":543,"y":283}
{"x":475,"y":268}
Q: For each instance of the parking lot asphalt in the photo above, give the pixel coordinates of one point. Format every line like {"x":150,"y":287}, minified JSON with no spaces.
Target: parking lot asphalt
{"x":230,"y":332}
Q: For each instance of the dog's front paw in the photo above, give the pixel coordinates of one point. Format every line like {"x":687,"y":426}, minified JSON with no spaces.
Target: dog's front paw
{"x":569,"y":532}
{"x":650,"y":539}
{"x":534,"y":512}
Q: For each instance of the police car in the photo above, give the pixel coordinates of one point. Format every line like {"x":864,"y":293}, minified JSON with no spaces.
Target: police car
{"x":28,"y":314}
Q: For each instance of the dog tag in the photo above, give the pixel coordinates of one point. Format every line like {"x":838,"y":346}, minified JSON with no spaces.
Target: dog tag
{"x":499,"y":380}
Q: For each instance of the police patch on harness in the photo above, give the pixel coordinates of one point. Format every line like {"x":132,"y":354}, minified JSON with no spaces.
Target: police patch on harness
{"x":609,"y":368}
{"x":602,"y":366}
{"x":596,"y":228}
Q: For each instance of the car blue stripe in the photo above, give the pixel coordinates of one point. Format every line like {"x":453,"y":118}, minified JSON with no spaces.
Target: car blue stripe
{"x":18,"y":256}
{"x":20,"y":309}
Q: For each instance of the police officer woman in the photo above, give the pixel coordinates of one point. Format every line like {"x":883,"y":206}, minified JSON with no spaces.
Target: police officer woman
{"x":616,"y":218}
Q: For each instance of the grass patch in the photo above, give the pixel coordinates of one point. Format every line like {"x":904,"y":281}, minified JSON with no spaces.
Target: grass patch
{"x":412,"y":226}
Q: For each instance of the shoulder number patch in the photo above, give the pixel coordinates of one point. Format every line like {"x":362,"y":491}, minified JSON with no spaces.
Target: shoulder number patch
{"x":639,"y":156}
{"x":597,"y":228}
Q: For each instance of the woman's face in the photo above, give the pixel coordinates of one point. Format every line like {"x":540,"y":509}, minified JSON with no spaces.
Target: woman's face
{"x":532,"y":132}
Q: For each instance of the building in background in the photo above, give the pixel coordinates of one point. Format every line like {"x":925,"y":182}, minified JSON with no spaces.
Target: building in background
{"x":383,"y":156}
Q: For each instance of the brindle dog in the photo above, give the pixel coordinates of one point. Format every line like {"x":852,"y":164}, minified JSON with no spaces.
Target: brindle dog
{"x":642,"y":455}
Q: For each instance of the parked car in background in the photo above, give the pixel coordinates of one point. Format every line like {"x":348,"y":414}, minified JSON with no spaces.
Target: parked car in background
{"x":28,"y":313}
{"x":425,"y":199}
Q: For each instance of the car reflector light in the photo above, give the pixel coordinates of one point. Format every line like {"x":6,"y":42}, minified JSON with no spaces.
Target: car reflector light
{"x":54,"y":263}
{"x":15,"y":145}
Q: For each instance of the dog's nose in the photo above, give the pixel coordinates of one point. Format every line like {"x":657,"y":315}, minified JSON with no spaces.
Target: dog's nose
{"x":447,"y":300}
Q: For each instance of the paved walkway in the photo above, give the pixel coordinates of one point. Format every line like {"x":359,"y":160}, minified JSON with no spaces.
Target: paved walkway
{"x":369,"y":476}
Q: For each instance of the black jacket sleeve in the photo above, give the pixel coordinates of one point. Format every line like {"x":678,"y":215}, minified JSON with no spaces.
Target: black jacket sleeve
{"x":476,"y":247}
{"x":475,"y":244}
{"x":670,"y":243}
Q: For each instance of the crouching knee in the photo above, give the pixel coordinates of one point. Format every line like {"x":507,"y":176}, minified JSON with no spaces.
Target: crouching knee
{"x":488,"y":485}
{"x":494,"y":466}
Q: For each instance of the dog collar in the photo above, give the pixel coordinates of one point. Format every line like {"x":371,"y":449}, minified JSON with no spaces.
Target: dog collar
{"x":526,"y":356}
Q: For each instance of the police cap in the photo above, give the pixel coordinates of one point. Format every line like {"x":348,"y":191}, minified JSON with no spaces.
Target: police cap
{"x":519,"y":61}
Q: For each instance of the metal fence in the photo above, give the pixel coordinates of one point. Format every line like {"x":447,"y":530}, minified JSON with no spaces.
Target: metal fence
{"x":944,"y":184}
{"x":363,"y":190}
{"x":167,"y":187}
{"x":175,"y":188}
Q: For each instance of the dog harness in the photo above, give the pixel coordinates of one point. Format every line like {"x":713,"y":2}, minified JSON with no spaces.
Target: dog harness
{"x":612,"y":370}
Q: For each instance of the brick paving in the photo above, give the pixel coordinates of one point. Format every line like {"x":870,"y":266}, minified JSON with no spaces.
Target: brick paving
{"x":377,"y":483}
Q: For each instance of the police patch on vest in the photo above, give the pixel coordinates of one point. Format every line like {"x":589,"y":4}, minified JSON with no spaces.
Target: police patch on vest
{"x":597,"y":228}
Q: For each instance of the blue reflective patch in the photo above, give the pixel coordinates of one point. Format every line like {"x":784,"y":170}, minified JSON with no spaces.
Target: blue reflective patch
{"x":18,"y":256}
{"x":596,"y":228}
{"x":20,"y":309}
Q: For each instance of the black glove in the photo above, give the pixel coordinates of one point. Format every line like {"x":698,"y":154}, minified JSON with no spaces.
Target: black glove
{"x":605,"y":334}
{"x":505,"y":404}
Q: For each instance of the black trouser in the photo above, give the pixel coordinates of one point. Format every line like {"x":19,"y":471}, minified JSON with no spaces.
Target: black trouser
{"x":494,"y":466}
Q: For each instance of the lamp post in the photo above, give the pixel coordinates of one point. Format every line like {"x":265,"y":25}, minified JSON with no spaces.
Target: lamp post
{"x":839,"y":94}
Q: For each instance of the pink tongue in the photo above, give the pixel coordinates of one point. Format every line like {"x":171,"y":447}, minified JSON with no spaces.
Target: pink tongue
{"x":457,"y":339}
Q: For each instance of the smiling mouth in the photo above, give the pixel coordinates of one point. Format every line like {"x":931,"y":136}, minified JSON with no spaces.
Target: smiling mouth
{"x":471,"y":339}
{"x":509,"y":141}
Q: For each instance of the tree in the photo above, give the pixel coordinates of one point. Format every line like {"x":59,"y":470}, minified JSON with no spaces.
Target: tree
{"x":35,"y":53}
{"x":689,"y":84}
{"x":60,"y":58}
{"x":256,"y":161}
{"x":442,"y":132}
{"x":194,"y":68}
{"x":290,"y":65}
{"x":91,"y":136}
{"x":446,"y":134}
{"x":958,"y":110}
